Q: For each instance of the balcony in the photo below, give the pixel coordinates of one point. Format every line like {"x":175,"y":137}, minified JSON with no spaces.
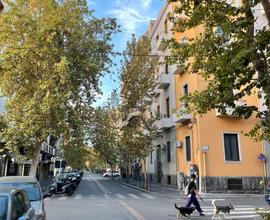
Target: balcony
{"x":180,"y":69}
{"x":163,"y":81}
{"x":162,"y":41}
{"x":48,"y":149}
{"x":229,"y":111}
{"x":156,"y":92}
{"x":164,"y":123}
{"x":181,"y":118}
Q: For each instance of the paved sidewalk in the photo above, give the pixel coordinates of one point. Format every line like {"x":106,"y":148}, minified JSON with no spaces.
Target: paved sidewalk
{"x":173,"y":192}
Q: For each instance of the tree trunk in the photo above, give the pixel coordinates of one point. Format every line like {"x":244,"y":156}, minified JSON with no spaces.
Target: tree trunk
{"x":266,"y":7}
{"x":111,"y":170}
{"x":144,"y":173}
{"x":1,"y":6}
{"x":35,"y":160}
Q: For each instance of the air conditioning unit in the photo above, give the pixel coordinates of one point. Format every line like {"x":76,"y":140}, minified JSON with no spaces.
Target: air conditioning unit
{"x":179,"y":144}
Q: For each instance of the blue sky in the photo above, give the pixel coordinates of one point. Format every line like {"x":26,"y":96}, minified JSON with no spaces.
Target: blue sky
{"x":133,"y":16}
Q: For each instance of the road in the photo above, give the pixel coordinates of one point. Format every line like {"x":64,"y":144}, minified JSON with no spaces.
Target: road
{"x":98,"y":198}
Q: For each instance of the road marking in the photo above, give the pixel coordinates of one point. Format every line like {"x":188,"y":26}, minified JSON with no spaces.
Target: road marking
{"x":62,"y":198}
{"x":92,"y":197}
{"x":78,"y":197}
{"x":107,"y":196}
{"x":103,"y":188}
{"x":120,"y":196}
{"x":147,"y":196}
{"x":134,"y":196}
{"x":132,"y":211}
{"x":47,"y":199}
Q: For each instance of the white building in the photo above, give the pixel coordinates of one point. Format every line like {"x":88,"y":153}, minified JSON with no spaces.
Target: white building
{"x":161,"y":163}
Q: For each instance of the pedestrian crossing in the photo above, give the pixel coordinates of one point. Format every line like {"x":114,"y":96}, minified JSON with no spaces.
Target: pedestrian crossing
{"x":239,"y":212}
{"x":102,"y":196}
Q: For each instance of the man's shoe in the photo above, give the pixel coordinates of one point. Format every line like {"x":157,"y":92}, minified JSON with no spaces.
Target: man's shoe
{"x":201,"y":214}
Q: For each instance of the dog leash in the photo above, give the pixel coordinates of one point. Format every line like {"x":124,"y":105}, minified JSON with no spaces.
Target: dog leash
{"x":204,"y":202}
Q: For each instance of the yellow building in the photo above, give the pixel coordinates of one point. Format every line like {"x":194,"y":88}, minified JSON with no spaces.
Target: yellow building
{"x":214,"y":146}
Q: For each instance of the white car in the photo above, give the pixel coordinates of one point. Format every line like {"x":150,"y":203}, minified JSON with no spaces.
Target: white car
{"x":109,"y":174}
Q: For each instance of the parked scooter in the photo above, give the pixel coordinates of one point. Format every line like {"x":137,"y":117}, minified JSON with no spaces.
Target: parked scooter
{"x":63,"y":185}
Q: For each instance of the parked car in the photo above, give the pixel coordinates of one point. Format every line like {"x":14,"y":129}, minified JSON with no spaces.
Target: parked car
{"x":15,"y":204}
{"x":109,"y":174}
{"x":31,"y":186}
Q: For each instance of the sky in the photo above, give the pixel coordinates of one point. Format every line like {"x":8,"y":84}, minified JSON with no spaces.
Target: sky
{"x":133,"y":17}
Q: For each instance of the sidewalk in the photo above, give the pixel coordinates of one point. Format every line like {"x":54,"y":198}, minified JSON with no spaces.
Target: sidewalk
{"x":173,"y":192}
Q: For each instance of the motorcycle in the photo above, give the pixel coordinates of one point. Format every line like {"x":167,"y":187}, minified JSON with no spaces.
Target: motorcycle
{"x":64,"y":185}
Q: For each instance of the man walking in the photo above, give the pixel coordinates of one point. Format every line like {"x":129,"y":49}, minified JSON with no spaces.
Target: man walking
{"x":192,"y":192}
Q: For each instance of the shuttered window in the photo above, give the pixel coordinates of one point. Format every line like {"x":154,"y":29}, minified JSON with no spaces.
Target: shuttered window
{"x":188,"y":150}
{"x":231,"y":147}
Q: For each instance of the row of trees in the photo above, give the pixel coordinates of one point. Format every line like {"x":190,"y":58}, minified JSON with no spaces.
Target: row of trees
{"x":121,"y":144}
{"x":52,"y":55}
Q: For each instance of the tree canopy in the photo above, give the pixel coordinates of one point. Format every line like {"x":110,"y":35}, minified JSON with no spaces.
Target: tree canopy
{"x":52,"y":56}
{"x":230,"y":54}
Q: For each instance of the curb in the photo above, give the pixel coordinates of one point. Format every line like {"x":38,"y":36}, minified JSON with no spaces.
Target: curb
{"x":209,"y":196}
{"x":144,"y":190}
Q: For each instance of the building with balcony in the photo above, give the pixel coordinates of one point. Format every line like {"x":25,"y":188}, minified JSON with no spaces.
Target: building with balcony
{"x":214,"y":146}
{"x":161,"y":162}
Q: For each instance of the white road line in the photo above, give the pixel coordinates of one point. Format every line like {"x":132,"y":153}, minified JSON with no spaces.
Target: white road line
{"x":103,"y":188}
{"x":78,"y":197}
{"x":132,"y":211}
{"x":92,"y":197}
{"x":62,"y":198}
{"x":47,"y":199}
{"x":147,"y":196}
{"x":120,"y":196}
{"x":133,"y":196}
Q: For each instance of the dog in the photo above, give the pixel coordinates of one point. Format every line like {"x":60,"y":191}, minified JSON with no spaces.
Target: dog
{"x":221,"y":209}
{"x":184,"y":211}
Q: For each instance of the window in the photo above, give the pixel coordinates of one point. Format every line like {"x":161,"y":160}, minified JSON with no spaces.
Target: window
{"x":158,"y":111}
{"x":168,"y":107}
{"x":231,"y":147}
{"x":168,"y":151}
{"x":166,"y":26}
{"x":185,"y":92}
{"x":188,"y":151}
{"x":167,"y":68}
{"x":185,"y":89}
{"x":3,"y":207}
{"x":235,"y":184}
{"x":18,"y":207}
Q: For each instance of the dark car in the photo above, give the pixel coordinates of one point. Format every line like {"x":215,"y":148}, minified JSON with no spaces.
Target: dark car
{"x":31,"y":186}
{"x":15,"y":204}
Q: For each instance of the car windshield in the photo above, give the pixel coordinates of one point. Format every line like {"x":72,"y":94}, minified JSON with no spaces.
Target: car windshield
{"x":30,"y":188}
{"x":3,"y":207}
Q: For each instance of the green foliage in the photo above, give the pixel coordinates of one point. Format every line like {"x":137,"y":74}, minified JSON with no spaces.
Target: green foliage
{"x":138,"y":83}
{"x":104,"y":133}
{"x":265,"y":214}
{"x":52,"y":55}
{"x":228,"y":55}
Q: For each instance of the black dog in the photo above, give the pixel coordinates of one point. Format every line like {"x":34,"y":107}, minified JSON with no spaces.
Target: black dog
{"x":184,"y":211}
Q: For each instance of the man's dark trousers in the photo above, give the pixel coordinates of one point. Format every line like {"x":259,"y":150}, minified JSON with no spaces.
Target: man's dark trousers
{"x":193,"y":200}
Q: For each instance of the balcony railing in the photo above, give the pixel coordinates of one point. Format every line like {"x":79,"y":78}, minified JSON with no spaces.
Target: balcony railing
{"x":48,"y":149}
{"x":163,"y":81}
{"x":164,"y":122}
{"x":180,"y":69}
{"x":229,"y":111}
{"x":181,"y":116}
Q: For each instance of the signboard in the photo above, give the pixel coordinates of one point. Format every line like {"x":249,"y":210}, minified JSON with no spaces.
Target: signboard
{"x":262,"y":157}
{"x":205,"y":149}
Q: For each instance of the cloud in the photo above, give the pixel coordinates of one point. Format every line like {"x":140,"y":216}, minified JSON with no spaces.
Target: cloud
{"x":129,"y":18}
{"x":146,"y":3}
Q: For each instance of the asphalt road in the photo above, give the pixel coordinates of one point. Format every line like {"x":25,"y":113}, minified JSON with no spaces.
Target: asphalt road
{"x":98,"y":198}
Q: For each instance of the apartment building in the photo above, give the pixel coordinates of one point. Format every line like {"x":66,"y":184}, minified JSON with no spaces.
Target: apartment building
{"x":161,"y":163}
{"x":215,"y":146}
